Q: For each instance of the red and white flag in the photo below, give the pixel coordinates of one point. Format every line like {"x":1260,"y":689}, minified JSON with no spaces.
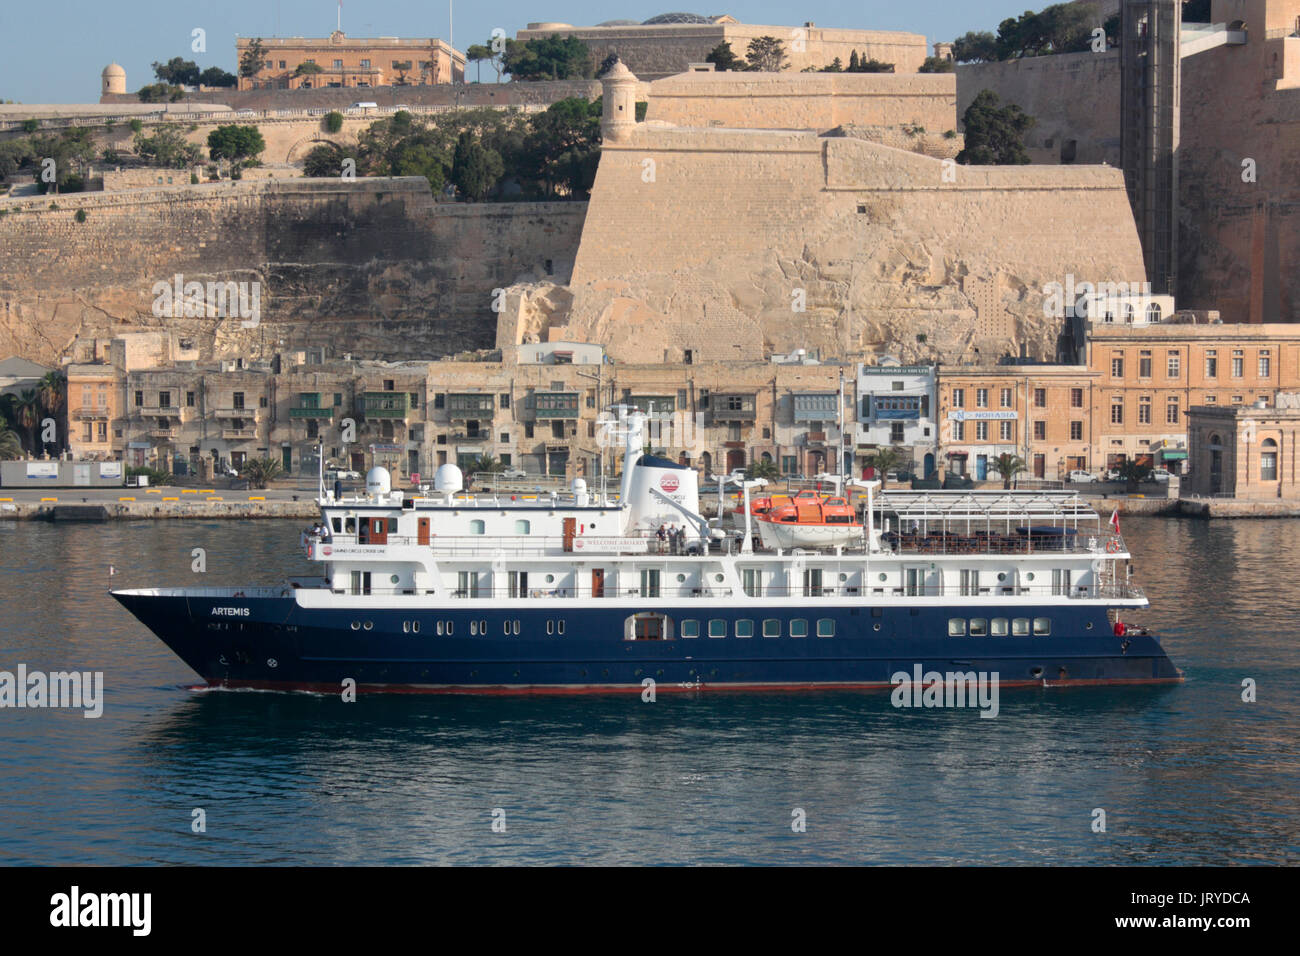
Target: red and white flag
{"x":1114,"y":520}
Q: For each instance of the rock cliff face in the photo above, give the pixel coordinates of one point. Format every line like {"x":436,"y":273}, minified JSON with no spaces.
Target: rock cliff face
{"x":372,"y":267}
{"x":730,"y":244}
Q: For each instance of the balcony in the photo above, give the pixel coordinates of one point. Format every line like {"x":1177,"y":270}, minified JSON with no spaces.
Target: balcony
{"x":90,"y":413}
{"x":303,"y":412}
{"x":663,"y":404}
{"x":816,"y":406}
{"x":546,"y":406}
{"x":383,"y":405}
{"x":461,"y":406}
{"x":157,"y":432}
{"x":238,"y":434}
{"x":730,"y":407}
{"x":156,"y":411}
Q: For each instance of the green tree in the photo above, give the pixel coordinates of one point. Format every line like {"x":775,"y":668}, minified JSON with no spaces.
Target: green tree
{"x":15,"y":154}
{"x":177,"y":72}
{"x":160,"y":93}
{"x":766,"y":55}
{"x":478,"y":52}
{"x":215,"y":76}
{"x":475,"y":169}
{"x":31,"y":125}
{"x":836,"y":66}
{"x":51,"y":393}
{"x":327,"y":160}
{"x":72,"y":150}
{"x":333,"y":121}
{"x":563,"y":148}
{"x":238,"y":144}
{"x":27,"y":414}
{"x":994,"y":133}
{"x":260,"y":472}
{"x":307,"y":68}
{"x":1133,"y":474}
{"x":724,"y":59}
{"x":934,"y":64}
{"x":253,"y":58}
{"x":167,"y":148}
{"x":764,"y":468}
{"x":547,"y":58}
{"x":872,"y":66}
{"x":1008,"y":466}
{"x":885,"y":459}
{"x":11,"y":446}
{"x":975,"y":47}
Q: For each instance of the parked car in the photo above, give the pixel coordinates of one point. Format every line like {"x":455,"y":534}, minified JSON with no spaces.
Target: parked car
{"x":342,"y":475}
{"x":513,"y":474}
{"x":1110,"y":474}
{"x":1082,"y":477}
{"x":1160,"y":474}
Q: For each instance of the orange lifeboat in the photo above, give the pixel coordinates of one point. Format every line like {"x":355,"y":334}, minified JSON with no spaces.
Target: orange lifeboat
{"x":810,"y":523}
{"x":761,"y":506}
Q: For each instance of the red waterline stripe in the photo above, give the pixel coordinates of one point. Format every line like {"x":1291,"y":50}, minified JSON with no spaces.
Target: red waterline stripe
{"x":541,"y":690}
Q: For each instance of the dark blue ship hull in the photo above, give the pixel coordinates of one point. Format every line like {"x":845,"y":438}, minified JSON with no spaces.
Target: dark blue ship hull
{"x":273,"y":643}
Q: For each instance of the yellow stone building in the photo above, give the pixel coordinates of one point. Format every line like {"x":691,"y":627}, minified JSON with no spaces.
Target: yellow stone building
{"x":342,"y":61}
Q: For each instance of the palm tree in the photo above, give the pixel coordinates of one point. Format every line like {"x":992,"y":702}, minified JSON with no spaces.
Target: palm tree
{"x":764,"y":468}
{"x":52,"y":392}
{"x":260,"y":472}
{"x":484,"y":464}
{"x":11,"y":446}
{"x":27,"y":407}
{"x":1008,"y":466}
{"x":886,"y":459}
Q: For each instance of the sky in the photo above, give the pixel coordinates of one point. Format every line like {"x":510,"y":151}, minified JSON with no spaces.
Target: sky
{"x":52,"y":51}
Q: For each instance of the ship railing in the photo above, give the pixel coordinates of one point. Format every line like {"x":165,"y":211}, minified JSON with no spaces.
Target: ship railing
{"x":705,"y":592}
{"x":486,"y":545}
{"x":985,"y":542}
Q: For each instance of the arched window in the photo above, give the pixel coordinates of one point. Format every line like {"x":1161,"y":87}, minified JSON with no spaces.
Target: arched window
{"x":1153,"y":312}
{"x":1127,"y":311}
{"x":1268,"y":460}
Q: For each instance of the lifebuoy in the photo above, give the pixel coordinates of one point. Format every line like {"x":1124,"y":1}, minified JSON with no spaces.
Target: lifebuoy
{"x":1113,"y":546}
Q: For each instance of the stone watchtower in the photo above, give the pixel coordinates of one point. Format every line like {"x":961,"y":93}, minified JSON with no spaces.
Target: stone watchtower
{"x":618,"y":91}
{"x":112,"y":80}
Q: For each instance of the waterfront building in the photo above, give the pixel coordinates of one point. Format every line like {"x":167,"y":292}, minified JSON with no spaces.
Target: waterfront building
{"x":1243,"y":451}
{"x":896,"y":407}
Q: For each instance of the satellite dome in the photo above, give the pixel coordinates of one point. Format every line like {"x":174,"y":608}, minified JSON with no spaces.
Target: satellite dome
{"x":378,"y":481}
{"x":448,"y":478}
{"x":676,"y":18}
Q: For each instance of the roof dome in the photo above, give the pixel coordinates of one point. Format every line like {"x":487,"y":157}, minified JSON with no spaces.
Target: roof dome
{"x":113,"y":69}
{"x":676,"y":18}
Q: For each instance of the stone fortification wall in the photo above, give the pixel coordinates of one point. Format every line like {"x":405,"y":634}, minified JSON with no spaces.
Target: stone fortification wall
{"x":373,"y":266}
{"x":1073,"y":96}
{"x":715,"y":251}
{"x":816,"y":101}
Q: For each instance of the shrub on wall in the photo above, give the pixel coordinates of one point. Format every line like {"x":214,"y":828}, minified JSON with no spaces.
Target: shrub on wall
{"x":81,"y":215}
{"x":333,"y":121}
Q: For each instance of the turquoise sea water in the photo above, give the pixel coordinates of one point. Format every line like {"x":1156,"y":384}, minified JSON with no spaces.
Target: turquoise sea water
{"x":1185,"y":774}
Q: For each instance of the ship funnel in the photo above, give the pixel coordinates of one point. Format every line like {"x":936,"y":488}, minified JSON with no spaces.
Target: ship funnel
{"x":378,"y":482}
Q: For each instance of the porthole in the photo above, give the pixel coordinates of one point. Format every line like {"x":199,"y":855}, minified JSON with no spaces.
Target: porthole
{"x":415,"y":627}
{"x":515,"y":628}
{"x":844,"y":577}
{"x":1002,"y":577}
{"x":876,"y":626}
{"x":884,"y":577}
{"x":560,"y":628}
{"x":473,"y":628}
{"x":1087,"y":625}
{"x":406,"y":627}
{"x":482,"y":628}
{"x":1029,"y":576}
{"x":550,"y":579}
{"x":368,"y":625}
{"x":681,"y":578}
{"x":395,"y":579}
{"x":550,"y":627}
{"x":356,"y":625}
{"x":719,"y":578}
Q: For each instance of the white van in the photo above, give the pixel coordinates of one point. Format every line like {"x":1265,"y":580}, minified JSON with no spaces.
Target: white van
{"x":363,"y":106}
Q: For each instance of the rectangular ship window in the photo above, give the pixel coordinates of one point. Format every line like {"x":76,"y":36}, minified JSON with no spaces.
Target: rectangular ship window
{"x":1020,"y":627}
{"x":717,"y":628}
{"x":744,"y":628}
{"x":690,"y":628}
{"x":956,"y":627}
{"x":979,"y":627}
{"x":771,"y":627}
{"x":1043,"y":626}
{"x":798,"y":627}
{"x":999,"y":627}
{"x":825,"y":627}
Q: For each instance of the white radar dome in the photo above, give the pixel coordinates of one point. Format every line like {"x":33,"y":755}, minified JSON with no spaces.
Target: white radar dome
{"x":378,"y":481}
{"x":448,"y":478}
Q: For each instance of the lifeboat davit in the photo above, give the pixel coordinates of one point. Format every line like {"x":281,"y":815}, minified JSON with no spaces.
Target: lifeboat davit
{"x":810,"y":523}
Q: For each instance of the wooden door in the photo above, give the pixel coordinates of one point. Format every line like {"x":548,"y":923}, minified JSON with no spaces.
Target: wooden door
{"x":570,"y":532}
{"x":422,"y":534}
{"x":597,"y":582}
{"x":378,"y":530}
